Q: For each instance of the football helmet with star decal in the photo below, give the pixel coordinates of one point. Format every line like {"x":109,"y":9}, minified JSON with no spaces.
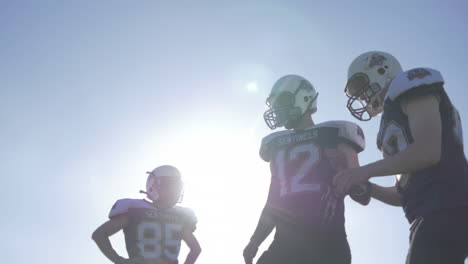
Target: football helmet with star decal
{"x":369,"y":76}
{"x":291,"y":97}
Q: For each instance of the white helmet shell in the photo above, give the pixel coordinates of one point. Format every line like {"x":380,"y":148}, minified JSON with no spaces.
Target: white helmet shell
{"x":290,"y":98}
{"x":164,"y":171}
{"x":368,"y":78}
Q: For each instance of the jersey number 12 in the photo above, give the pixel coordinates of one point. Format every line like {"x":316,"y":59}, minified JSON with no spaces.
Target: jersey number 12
{"x":291,"y":181}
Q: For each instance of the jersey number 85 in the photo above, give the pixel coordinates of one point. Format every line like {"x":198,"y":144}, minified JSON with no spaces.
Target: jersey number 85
{"x":156,"y":239}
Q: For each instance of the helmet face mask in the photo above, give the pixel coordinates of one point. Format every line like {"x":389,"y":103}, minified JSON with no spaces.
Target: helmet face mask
{"x":369,"y":76}
{"x":282,"y":111}
{"x":291,"y":97}
{"x":365,"y":100}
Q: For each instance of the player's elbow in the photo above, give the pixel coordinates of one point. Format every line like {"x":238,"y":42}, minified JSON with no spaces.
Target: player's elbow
{"x":396,"y":201}
{"x":196,"y":250}
{"x":97,"y":235}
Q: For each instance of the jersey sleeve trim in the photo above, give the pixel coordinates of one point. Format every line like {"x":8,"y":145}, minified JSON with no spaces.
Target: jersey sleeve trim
{"x":122,"y":206}
{"x":349,"y":133}
{"x":409,"y":80}
{"x":119,"y":208}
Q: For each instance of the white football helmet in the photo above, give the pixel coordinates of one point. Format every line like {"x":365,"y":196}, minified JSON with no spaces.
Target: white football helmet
{"x":290,"y":98}
{"x":368,"y":78}
{"x":165,"y":178}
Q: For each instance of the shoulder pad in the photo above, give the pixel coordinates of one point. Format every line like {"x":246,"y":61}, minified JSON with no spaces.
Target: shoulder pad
{"x":407,"y":80}
{"x":265,"y":149}
{"x":190,"y":216}
{"x":122,"y":206}
{"x":190,"y":219}
{"x":349,"y":132}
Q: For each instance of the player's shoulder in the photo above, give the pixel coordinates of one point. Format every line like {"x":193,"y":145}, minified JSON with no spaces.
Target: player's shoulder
{"x":411,"y":80}
{"x":122,"y":206}
{"x":265,"y":147}
{"x":340,"y":124}
{"x":187,"y":217}
{"x":186,"y":213}
{"x":348,"y":131}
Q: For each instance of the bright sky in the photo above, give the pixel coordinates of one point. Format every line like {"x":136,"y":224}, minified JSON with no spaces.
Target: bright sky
{"x":95,"y":93}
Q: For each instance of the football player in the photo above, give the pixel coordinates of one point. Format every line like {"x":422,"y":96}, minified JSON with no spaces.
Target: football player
{"x":421,"y":140}
{"x":153,"y":229}
{"x":307,"y":216}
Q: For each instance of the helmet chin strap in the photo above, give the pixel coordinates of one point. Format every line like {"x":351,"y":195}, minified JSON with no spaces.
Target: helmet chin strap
{"x":377,"y":103}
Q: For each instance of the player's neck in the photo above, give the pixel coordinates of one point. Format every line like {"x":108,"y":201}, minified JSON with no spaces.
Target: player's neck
{"x":162,"y":205}
{"x":305,"y":123}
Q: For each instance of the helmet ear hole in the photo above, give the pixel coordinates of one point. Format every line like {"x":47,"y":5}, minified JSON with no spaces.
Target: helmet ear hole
{"x":381,"y":71}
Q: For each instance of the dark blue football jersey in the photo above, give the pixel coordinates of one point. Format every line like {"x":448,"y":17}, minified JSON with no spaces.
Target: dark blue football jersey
{"x":301,"y":175}
{"x":152,"y":233}
{"x":441,"y":186}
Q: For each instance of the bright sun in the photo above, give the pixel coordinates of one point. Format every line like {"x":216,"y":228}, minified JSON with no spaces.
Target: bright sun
{"x":226,"y":184}
{"x":252,"y":87}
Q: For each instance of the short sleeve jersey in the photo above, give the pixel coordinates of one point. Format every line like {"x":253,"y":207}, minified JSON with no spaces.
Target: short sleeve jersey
{"x":153,"y":233}
{"x":445,"y":184}
{"x":301,"y":175}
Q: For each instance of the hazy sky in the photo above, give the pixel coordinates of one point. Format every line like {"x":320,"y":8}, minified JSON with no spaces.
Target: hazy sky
{"x":95,"y":93}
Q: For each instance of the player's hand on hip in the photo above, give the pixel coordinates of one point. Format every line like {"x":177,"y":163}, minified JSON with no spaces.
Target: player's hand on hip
{"x":345,"y":179}
{"x":249,"y":252}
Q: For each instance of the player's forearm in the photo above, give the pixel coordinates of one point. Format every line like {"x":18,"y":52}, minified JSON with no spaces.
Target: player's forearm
{"x":264,"y":227}
{"x":194,"y":247}
{"x":105,"y":246}
{"x":193,"y":244}
{"x":388,"y":195}
{"x":192,"y":255}
{"x":414,"y":157}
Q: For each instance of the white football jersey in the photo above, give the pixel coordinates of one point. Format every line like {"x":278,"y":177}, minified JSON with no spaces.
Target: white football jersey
{"x":347,"y":131}
{"x":153,"y":233}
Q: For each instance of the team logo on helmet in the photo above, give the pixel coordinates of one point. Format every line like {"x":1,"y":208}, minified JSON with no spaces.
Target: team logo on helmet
{"x":376,"y":60}
{"x":417,"y":73}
